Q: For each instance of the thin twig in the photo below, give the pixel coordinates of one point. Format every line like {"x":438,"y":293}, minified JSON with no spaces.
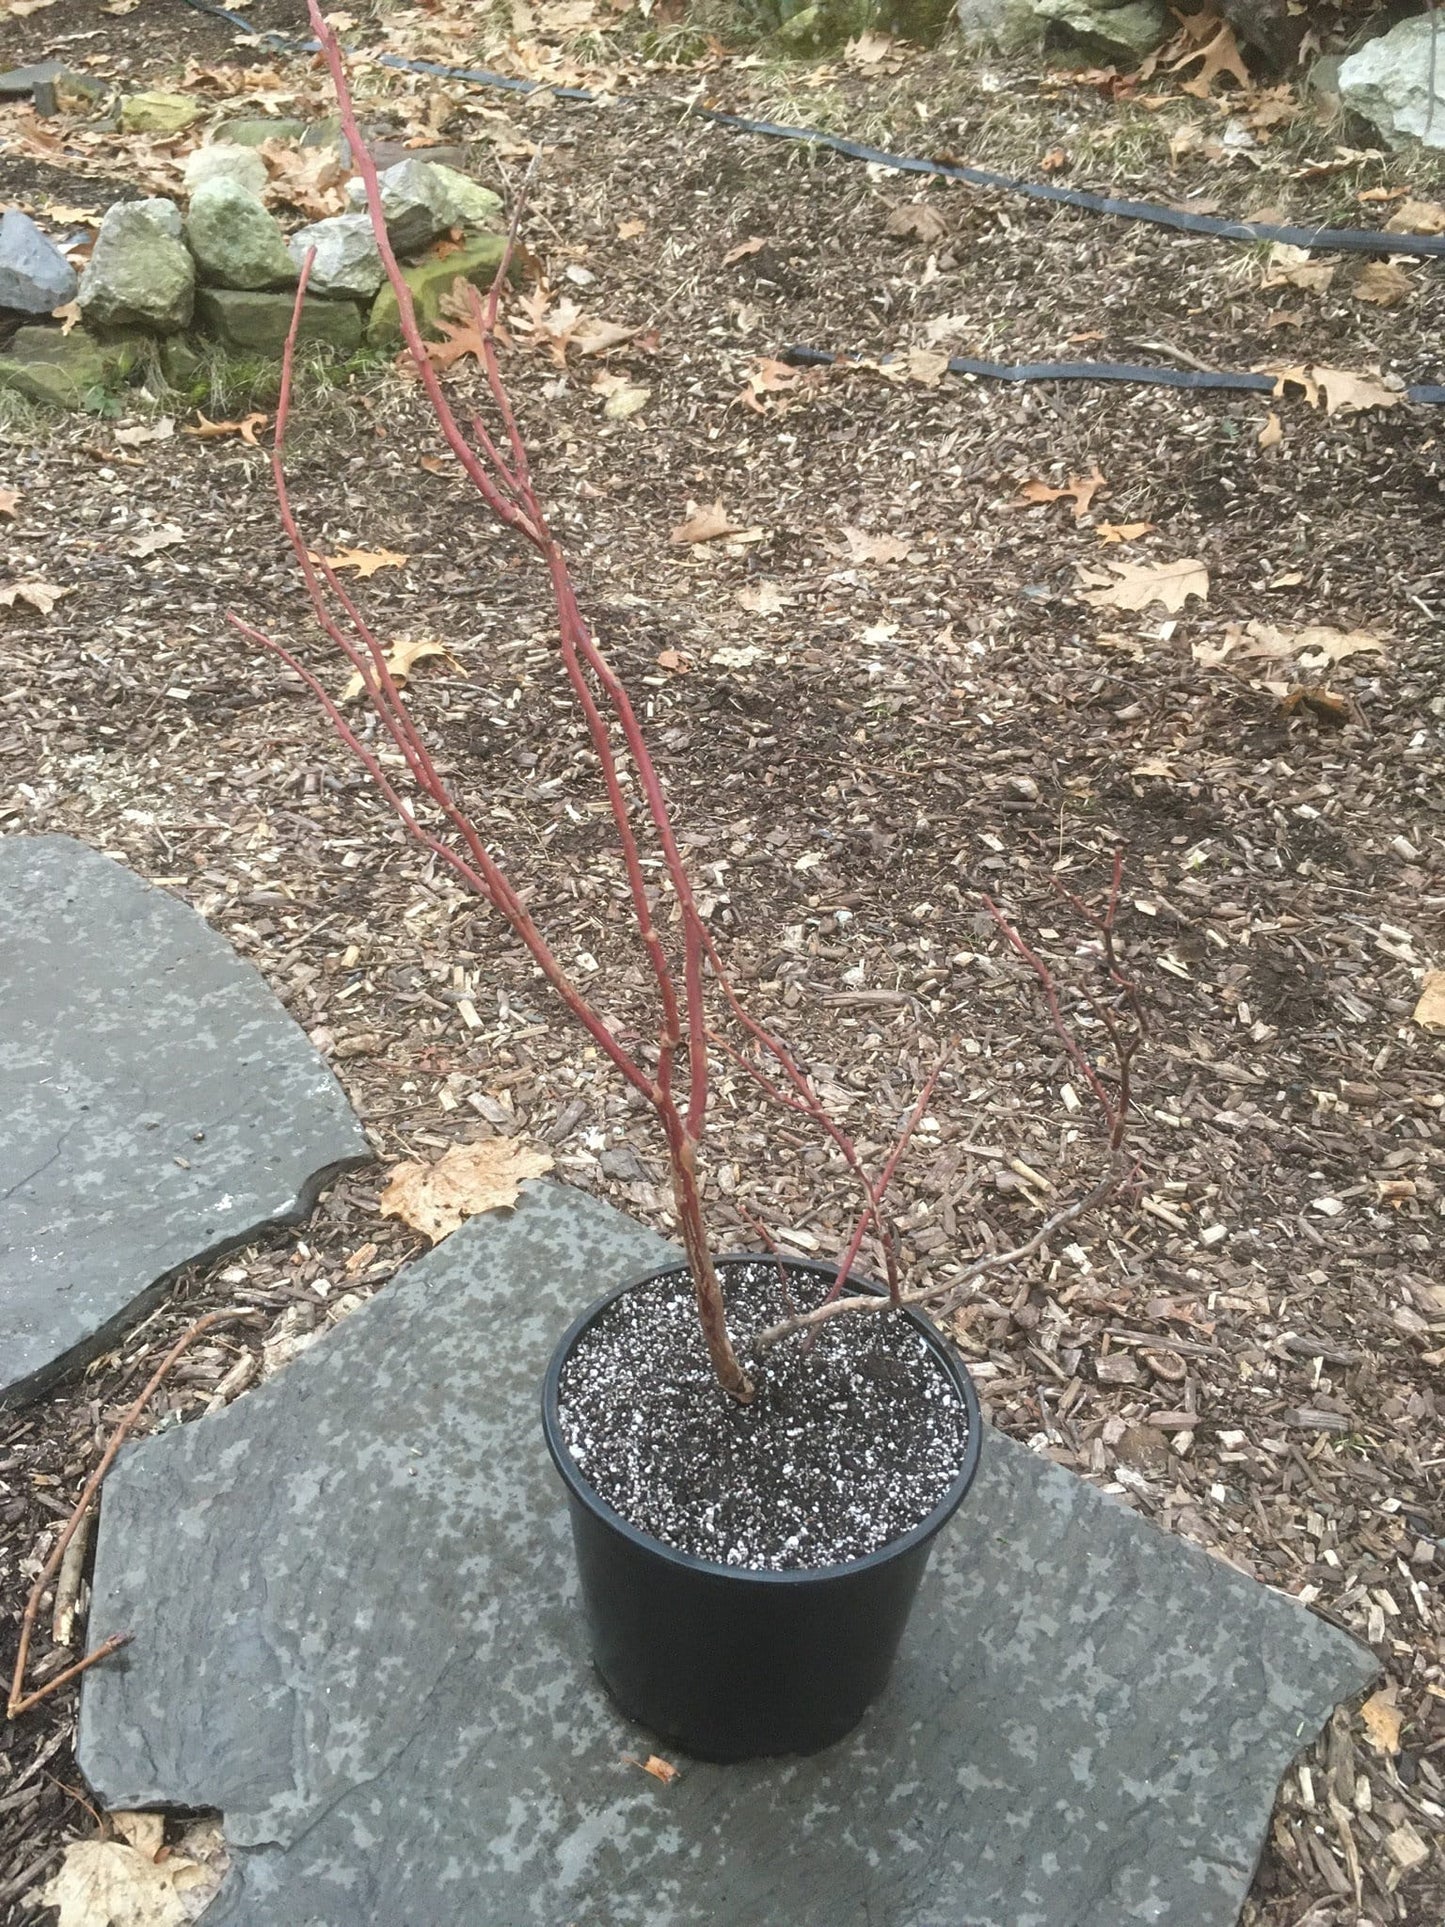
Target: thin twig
{"x":18,"y":1703}
{"x":941,"y":1298}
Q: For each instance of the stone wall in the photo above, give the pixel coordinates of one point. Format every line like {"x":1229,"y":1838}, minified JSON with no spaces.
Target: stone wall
{"x":225,"y":269}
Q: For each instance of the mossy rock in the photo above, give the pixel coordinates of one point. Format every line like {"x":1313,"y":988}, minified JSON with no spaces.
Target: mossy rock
{"x":159,"y":113}
{"x":254,"y":322}
{"x":431,"y":280}
{"x":251,"y":133}
{"x":66,"y":371}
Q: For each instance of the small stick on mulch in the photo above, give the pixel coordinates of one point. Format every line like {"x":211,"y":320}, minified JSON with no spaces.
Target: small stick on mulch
{"x":19,"y":1701}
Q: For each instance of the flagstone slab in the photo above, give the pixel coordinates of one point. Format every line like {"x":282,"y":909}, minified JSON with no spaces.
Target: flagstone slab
{"x":157,"y":1104}
{"x":356,"y":1633}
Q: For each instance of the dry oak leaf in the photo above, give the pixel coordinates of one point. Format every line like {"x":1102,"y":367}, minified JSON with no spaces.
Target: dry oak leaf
{"x":1080,"y":490}
{"x":9,"y":500}
{"x":1382,"y":1720}
{"x":1123,"y":531}
{"x":1344,"y":392}
{"x":1292,"y":267}
{"x":624,"y":400}
{"x":1417,"y":217}
{"x":206,"y":430}
{"x":917,"y":222}
{"x":629,"y":230}
{"x":1141,"y":583}
{"x":1315,"y":647}
{"x":468,"y":1179}
{"x":705,"y":525}
{"x":1430,"y":1010}
{"x":110,"y":1883}
{"x":763,"y":599}
{"x":1382,"y":284}
{"x":41,"y":596}
{"x":863,"y":547}
{"x":1271,"y":435}
{"x":1220,"y":56}
{"x":366,"y":562}
{"x":401,"y":659}
{"x":462,"y":339}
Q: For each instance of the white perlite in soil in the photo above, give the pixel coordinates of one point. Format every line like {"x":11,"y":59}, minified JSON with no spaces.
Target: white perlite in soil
{"x":847,"y":1445}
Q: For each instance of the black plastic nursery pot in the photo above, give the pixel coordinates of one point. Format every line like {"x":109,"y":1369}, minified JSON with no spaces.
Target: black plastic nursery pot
{"x":728,"y":1663}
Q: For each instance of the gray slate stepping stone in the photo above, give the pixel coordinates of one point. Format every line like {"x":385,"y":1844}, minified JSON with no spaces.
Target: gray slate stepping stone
{"x":356,"y":1634}
{"x":157,"y":1104}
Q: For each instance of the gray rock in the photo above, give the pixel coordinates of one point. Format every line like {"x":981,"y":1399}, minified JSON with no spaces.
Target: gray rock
{"x":348,"y":260}
{"x":472,"y":204}
{"x":140,"y":272}
{"x":416,"y":202}
{"x":236,"y":241}
{"x":157,"y":1105}
{"x":1128,"y":31}
{"x":24,"y":80}
{"x":226,"y":161}
{"x":356,"y":1632}
{"x":251,"y":321}
{"x":1005,"y":26}
{"x":1388,"y":82}
{"x":1273,"y":28}
{"x":35,"y":276}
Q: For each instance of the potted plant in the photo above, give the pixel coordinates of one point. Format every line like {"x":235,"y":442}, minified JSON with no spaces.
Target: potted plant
{"x":758,"y":1451}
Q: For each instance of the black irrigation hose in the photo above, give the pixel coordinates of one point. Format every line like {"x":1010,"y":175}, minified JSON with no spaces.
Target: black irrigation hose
{"x":1342,"y":240}
{"x":1338,"y":240}
{"x":1236,"y":382}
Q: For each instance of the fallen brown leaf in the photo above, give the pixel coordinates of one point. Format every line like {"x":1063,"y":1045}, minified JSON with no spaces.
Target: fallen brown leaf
{"x":1292,"y":267}
{"x":1316,"y":647}
{"x":137,"y":434}
{"x":1417,"y":217}
{"x":1141,"y":583}
{"x":762,"y":599}
{"x":705,"y":525}
{"x":154,"y":540}
{"x":462,"y":339}
{"x":863,"y":547}
{"x":9,"y":500}
{"x":1123,"y":531}
{"x":1382,"y":284}
{"x":401,"y":659}
{"x":1344,"y":392}
{"x":1382,"y":1719}
{"x":753,"y":245}
{"x":206,"y":430}
{"x":39,"y":595}
{"x":675,"y":661}
{"x":112,"y":1883}
{"x":917,"y":222}
{"x":366,"y":562}
{"x":1080,"y":490}
{"x":1430,"y":1010}
{"x":465,"y":1181}
{"x":629,"y":230}
{"x":1271,"y":435}
{"x":660,"y":1769}
{"x":1219,"y":56}
{"x":1322,"y":703}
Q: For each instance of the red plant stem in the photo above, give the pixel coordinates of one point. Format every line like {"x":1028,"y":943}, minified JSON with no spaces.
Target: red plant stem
{"x":860,"y":1230}
{"x":1113,"y":1115}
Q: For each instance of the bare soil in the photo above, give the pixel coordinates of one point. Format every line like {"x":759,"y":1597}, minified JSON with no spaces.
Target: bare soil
{"x":884,"y":694}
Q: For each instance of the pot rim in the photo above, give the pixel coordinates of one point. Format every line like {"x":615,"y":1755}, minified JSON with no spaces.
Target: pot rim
{"x":580,"y":1488}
